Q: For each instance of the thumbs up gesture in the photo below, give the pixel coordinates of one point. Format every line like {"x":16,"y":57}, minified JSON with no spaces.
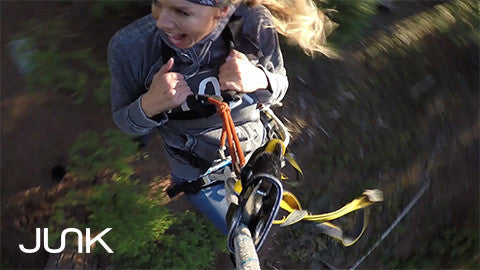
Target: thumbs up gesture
{"x":239,"y":74}
{"x":167,"y":91}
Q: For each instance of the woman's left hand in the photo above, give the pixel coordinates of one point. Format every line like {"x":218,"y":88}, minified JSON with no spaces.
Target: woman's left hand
{"x":237,"y":73}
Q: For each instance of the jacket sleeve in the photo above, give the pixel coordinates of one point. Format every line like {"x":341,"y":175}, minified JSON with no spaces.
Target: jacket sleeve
{"x":126,"y":92}
{"x":270,"y":61}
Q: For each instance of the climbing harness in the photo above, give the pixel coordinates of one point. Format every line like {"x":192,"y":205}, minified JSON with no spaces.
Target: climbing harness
{"x":236,"y":158}
{"x":257,"y":197}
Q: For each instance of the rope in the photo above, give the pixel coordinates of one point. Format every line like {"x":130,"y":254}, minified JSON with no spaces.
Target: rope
{"x":246,"y":257}
{"x":229,"y":133}
{"x":412,"y":202}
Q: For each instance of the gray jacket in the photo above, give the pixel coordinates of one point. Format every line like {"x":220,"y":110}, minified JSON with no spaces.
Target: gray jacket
{"x":134,"y":57}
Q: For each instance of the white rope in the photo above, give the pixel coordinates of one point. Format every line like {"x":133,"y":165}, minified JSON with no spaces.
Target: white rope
{"x":246,"y":257}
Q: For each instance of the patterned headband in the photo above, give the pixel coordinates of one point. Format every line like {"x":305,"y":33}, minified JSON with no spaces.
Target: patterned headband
{"x":210,"y":3}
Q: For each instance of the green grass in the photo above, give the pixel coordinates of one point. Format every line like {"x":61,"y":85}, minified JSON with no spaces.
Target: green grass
{"x":145,"y":234}
{"x":92,"y":154}
{"x":56,"y":64}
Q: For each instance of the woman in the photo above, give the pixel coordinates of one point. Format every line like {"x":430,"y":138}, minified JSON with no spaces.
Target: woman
{"x":205,"y":47}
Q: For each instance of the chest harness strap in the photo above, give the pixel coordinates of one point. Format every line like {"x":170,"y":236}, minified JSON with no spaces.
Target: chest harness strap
{"x":229,"y":135}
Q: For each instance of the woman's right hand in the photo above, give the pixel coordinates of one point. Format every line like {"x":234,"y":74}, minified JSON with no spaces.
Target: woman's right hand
{"x":167,"y":91}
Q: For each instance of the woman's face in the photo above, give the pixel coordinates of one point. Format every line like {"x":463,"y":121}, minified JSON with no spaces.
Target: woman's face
{"x":184,"y":22}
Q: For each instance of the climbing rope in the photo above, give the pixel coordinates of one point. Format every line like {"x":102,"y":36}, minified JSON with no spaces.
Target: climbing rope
{"x":246,"y":257}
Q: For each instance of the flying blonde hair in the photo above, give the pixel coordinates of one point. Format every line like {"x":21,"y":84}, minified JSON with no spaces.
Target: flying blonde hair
{"x":300,"y":21}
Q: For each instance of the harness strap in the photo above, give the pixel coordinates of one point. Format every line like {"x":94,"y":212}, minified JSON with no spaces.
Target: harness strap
{"x":291,"y":204}
{"x":229,"y":36}
{"x":275,"y":133}
{"x":290,"y":158}
{"x":194,"y":161}
{"x":236,"y":153}
{"x":192,"y":187}
{"x":199,"y":112}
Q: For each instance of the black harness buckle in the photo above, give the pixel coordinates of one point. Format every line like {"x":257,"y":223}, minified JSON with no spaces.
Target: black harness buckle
{"x":220,"y":173}
{"x":192,"y":187}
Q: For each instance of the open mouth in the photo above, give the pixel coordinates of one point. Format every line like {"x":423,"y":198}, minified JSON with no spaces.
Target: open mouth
{"x":176,"y":39}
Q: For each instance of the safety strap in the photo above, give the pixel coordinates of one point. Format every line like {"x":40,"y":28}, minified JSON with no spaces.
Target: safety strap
{"x":290,"y":159}
{"x":291,"y":204}
{"x":193,"y":160}
{"x":270,"y":147}
{"x":275,"y":135}
{"x":286,"y":156}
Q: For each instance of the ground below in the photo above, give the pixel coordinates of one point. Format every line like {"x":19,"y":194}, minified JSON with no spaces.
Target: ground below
{"x":38,"y":129}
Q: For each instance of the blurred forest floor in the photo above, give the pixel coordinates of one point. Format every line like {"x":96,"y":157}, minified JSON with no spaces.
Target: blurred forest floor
{"x":404,"y":95}
{"x":401,"y":104}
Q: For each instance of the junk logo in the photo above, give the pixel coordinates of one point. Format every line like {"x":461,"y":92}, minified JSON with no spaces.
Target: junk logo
{"x":88,"y":241}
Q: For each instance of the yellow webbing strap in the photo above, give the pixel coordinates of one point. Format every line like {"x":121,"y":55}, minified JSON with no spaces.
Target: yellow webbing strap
{"x":270,"y":147}
{"x":337,"y":233}
{"x":293,"y":162}
{"x":291,"y":204}
{"x":289,"y":157}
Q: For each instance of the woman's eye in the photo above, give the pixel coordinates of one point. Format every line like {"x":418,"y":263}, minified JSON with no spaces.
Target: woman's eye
{"x":182,"y":13}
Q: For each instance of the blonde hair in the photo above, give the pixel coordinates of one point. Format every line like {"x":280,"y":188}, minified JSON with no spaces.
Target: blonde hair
{"x":301,"y":22}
